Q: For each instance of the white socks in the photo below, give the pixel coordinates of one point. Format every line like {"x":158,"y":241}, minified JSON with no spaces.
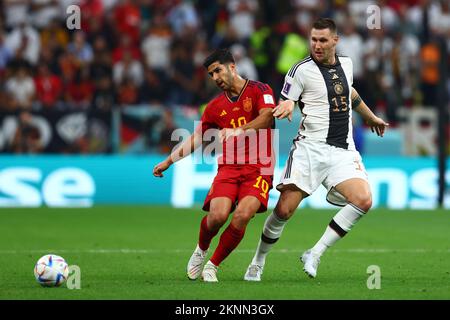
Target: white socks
{"x":273,"y":227}
{"x":341,"y":223}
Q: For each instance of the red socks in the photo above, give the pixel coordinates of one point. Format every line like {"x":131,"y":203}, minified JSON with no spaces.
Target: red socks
{"x":229,"y":240}
{"x":206,"y":235}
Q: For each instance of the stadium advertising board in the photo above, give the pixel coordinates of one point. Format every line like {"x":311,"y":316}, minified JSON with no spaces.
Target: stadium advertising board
{"x":84,"y":181}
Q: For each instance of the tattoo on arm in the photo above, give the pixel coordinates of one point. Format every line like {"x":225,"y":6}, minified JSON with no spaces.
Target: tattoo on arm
{"x":356,"y":101}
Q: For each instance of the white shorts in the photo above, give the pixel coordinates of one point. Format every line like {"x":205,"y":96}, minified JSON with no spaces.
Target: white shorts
{"x":312,"y":163}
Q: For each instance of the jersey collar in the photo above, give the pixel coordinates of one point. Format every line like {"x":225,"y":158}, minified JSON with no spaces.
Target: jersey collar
{"x":234,"y":99}
{"x":329,"y":66}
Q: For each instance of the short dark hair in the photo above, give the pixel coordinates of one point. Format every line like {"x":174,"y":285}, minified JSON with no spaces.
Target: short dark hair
{"x":220,"y":55}
{"x":325,"y":23}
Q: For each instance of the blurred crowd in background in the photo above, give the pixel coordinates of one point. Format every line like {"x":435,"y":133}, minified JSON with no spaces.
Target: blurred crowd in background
{"x":149,"y":53}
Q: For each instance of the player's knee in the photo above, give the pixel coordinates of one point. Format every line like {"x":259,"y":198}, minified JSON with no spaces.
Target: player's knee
{"x":284,"y":211}
{"x":217,"y":218}
{"x":362,"y":201}
{"x":241,"y":217}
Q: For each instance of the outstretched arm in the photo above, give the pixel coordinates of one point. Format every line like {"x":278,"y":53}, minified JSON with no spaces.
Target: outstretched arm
{"x":375,"y":123}
{"x":262,"y":121}
{"x":284,"y":109}
{"x":183,"y":150}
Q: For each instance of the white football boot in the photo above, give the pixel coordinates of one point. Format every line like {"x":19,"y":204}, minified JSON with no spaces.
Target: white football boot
{"x":310,"y":263}
{"x":194,"y":267}
{"x":209,"y":273}
{"x":254,"y":272}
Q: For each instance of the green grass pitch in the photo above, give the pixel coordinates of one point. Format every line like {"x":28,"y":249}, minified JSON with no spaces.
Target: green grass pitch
{"x":142,"y":252}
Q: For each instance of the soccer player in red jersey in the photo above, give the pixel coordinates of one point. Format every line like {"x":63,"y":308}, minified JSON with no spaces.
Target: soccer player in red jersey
{"x":245,"y":172}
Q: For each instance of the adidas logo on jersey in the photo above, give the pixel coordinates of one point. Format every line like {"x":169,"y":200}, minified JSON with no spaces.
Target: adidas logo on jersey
{"x":224,"y":113}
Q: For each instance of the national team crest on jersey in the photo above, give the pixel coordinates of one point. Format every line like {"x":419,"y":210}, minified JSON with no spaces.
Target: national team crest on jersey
{"x":338,"y":88}
{"x":247,"y":104}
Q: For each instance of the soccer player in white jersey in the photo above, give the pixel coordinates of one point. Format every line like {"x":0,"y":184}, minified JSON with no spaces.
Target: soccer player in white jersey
{"x":323,"y":151}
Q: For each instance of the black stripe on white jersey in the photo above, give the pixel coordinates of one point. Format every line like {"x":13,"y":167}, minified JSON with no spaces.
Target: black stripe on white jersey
{"x":287,"y":174}
{"x":294,"y":68}
{"x":338,"y":98}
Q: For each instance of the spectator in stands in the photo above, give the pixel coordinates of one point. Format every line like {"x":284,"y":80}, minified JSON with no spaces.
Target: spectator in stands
{"x":79,"y":90}
{"x":5,"y":54}
{"x":244,"y":64}
{"x":128,"y":18}
{"x":377,"y":66}
{"x":405,"y":66}
{"x":388,"y":15}
{"x":128,"y":68}
{"x":294,"y":47}
{"x":306,"y":11}
{"x":24,"y":42}
{"x":51,"y":59}
{"x":16,"y":12}
{"x":21,"y":89}
{"x":183,"y":18}
{"x":242,"y":17}
{"x":126,"y":45}
{"x":440,"y":20}
{"x":165,"y":137}
{"x":54,"y":36}
{"x":209,"y":16}
{"x":153,"y":90}
{"x":81,"y":49}
{"x":127,"y":93}
{"x":101,"y":65}
{"x":351,"y":44}
{"x":156,"y":45}
{"x":43,"y":12}
{"x":27,"y":138}
{"x":102,"y":29}
{"x":93,"y":14}
{"x":430,"y":74}
{"x":147,"y":12}
{"x":104,"y":94}
{"x":48,"y":87}
{"x":225,"y":39}
{"x":405,"y":25}
{"x":182,"y":86}
{"x":68,"y":66}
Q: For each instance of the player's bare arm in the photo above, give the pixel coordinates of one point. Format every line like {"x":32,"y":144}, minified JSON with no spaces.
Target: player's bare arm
{"x":263,"y":121}
{"x":375,"y":123}
{"x":183,"y":150}
{"x":284,"y":109}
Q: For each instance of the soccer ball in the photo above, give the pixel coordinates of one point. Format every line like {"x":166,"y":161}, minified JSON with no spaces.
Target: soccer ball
{"x":51,"y":270}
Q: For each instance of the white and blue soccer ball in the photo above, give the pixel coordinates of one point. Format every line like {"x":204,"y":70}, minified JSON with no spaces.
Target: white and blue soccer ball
{"x":51,"y":270}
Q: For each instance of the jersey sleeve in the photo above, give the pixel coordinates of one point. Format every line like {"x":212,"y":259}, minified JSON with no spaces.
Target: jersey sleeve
{"x":266,"y":98}
{"x":293,"y":85}
{"x":207,"y":121}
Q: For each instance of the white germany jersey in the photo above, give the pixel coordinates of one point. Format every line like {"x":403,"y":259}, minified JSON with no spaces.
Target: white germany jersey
{"x":324,"y":96}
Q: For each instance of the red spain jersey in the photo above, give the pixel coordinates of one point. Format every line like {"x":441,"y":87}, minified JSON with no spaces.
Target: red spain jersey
{"x":253,"y":147}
